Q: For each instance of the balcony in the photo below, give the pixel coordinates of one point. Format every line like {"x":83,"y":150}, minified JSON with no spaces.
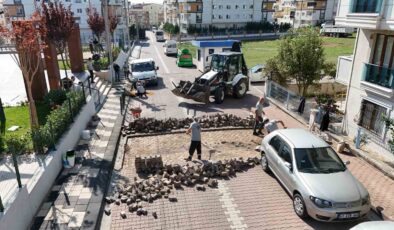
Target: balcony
{"x":378,"y":80}
{"x":365,"y":14}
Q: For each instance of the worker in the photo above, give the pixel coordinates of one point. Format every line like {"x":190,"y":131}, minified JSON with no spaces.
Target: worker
{"x":140,"y":89}
{"x":258,"y":124}
{"x":195,"y":131}
{"x":272,"y":125}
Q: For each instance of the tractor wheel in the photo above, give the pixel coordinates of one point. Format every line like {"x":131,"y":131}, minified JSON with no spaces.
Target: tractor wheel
{"x":239,"y":90}
{"x":219,"y":95}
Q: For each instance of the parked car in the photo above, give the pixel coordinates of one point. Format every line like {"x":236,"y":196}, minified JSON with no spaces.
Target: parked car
{"x":159,"y":34}
{"x":154,"y":28}
{"x":374,"y":225}
{"x":256,"y":74}
{"x":315,"y":177}
{"x":170,"y":47}
{"x":143,"y":70}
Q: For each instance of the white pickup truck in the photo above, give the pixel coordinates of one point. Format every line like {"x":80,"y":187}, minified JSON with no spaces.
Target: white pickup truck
{"x":335,"y":31}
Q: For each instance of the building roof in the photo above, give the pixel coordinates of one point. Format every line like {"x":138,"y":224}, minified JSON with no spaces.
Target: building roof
{"x":216,"y":43}
{"x":301,"y":138}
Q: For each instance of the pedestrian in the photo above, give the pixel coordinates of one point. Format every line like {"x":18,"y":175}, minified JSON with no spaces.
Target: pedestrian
{"x":90,"y":69}
{"x":126,"y":71}
{"x":140,"y":90}
{"x":325,"y":122}
{"x":258,"y":124}
{"x":272,"y":125}
{"x":195,"y":131}
{"x":117,"y":72}
{"x":301,"y":107}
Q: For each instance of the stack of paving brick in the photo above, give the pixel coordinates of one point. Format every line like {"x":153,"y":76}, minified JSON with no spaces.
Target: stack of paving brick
{"x":165,"y":178}
{"x":151,"y":125}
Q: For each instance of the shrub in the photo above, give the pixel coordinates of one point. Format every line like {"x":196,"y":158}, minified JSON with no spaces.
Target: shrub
{"x":1,"y":143}
{"x":57,"y":96}
{"x":17,"y":144}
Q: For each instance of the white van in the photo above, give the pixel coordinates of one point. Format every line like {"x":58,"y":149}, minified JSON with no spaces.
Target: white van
{"x":143,"y":70}
{"x":159,"y":35}
{"x":170,"y":47}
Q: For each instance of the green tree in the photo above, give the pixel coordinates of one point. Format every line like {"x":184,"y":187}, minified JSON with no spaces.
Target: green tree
{"x":301,"y":57}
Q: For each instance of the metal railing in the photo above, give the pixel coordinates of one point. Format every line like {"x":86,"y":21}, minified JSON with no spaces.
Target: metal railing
{"x":366,"y":6}
{"x":378,"y":75}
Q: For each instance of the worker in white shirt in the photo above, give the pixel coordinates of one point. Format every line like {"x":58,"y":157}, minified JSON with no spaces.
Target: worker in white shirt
{"x":272,"y":125}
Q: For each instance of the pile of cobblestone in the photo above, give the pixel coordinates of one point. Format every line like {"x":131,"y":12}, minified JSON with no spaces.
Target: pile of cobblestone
{"x":161,"y":182}
{"x":151,"y":125}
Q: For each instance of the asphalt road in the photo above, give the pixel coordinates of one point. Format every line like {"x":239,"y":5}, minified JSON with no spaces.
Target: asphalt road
{"x":162,"y":104}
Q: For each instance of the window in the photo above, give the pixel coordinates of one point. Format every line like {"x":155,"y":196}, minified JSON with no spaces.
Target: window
{"x":213,"y":16}
{"x":311,"y":4}
{"x":68,"y":0}
{"x":79,"y":11}
{"x":318,"y":160}
{"x":78,"y":1}
{"x":198,"y":54}
{"x":371,"y":117}
{"x":276,"y":142}
{"x":220,"y":7}
{"x":220,"y":16}
{"x":228,"y":7}
{"x":285,"y":153}
{"x":214,"y":7}
{"x":251,"y":7}
{"x":227,"y":16}
{"x":251,"y":16}
{"x":244,"y":7}
{"x":211,"y":51}
{"x":236,"y":6}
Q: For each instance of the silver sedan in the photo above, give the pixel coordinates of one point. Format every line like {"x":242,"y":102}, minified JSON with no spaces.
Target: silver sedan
{"x":313,"y":174}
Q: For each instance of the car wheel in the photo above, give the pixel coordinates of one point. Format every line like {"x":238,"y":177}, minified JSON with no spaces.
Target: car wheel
{"x":240,"y":89}
{"x":299,"y":206}
{"x":219,"y":95}
{"x":264,"y":163}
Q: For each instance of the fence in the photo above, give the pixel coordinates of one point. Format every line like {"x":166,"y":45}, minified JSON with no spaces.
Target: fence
{"x":291,"y":101}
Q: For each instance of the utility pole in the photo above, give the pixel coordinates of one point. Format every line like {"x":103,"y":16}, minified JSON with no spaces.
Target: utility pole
{"x":126,"y":11}
{"x":108,"y":38}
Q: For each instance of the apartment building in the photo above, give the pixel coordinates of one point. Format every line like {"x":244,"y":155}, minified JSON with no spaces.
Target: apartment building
{"x":155,"y":12}
{"x":23,"y":9}
{"x":170,"y":11}
{"x":223,"y":13}
{"x":369,"y":73}
{"x":138,"y":16}
{"x":301,"y":13}
{"x":2,"y":12}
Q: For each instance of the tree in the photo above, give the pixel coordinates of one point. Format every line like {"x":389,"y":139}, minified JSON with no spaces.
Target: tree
{"x":59,"y":22}
{"x":301,"y":57}
{"x":96,"y":22}
{"x":28,"y":37}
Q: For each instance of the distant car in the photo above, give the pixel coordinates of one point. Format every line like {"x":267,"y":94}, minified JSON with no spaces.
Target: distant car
{"x":143,"y":70}
{"x":154,"y":28}
{"x":256,"y":74}
{"x":159,"y":34}
{"x":374,"y":225}
{"x":170,"y":47}
{"x":319,"y":182}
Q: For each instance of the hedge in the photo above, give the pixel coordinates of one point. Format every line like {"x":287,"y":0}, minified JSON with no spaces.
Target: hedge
{"x":58,"y":122}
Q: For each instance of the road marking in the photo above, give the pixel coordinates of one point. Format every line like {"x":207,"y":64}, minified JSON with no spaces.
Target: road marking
{"x":231,"y":210}
{"x":159,"y":56}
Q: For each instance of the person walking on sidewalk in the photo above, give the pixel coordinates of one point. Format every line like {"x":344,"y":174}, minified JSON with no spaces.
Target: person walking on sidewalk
{"x":117,"y":72}
{"x":195,"y":131}
{"x":90,"y":69}
{"x":258,"y":124}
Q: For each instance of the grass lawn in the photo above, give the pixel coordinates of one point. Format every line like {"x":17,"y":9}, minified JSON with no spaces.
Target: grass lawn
{"x":258,"y":52}
{"x":19,"y":116}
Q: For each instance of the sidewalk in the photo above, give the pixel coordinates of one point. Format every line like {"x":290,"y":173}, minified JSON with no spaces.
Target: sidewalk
{"x":76,"y":198}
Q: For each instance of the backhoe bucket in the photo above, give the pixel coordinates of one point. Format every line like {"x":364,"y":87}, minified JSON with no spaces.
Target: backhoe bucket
{"x":194,"y":91}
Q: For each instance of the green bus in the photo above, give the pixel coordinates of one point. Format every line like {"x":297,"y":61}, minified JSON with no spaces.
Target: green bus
{"x":184,"y":58}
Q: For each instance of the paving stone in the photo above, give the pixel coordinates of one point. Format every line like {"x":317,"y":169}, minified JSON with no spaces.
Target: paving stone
{"x":76,"y":219}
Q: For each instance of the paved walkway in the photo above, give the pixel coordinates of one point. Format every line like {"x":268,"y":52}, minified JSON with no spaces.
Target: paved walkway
{"x":251,"y":200}
{"x":76,"y":197}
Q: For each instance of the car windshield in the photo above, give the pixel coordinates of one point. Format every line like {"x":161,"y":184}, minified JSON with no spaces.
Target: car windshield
{"x":256,"y":68}
{"x":318,"y":160}
{"x":159,"y":33}
{"x":142,"y":67}
{"x":218,"y":62}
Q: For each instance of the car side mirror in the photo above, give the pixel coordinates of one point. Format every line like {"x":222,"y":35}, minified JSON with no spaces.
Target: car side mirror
{"x":347,"y":162}
{"x":157,"y":68}
{"x":289,"y":166}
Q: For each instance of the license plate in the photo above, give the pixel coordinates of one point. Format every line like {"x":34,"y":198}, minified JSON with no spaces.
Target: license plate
{"x":348,"y":215}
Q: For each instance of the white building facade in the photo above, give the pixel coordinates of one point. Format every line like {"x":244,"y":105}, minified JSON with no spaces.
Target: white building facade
{"x":23,"y":9}
{"x":155,"y":12}
{"x":222,"y":13}
{"x":370,"y":79}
